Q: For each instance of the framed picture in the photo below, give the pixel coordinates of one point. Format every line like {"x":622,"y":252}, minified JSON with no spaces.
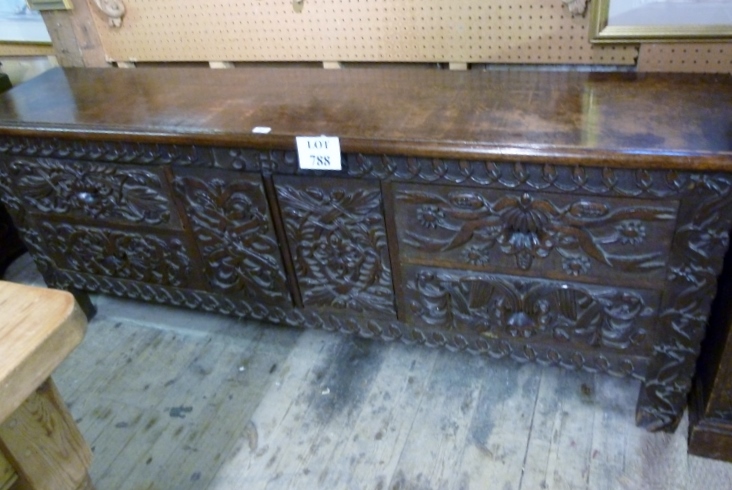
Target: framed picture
{"x":633,"y":21}
{"x":19,"y":24}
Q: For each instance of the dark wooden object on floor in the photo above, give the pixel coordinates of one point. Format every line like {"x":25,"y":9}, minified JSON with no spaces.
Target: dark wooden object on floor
{"x":710,"y":410}
{"x":570,"y":219}
{"x":10,"y":244}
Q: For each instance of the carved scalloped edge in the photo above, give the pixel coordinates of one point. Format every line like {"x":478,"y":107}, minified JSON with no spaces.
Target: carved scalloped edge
{"x":107,"y":151}
{"x":501,"y":175}
{"x":522,"y":176}
{"x":383,"y":329}
{"x":692,"y":279}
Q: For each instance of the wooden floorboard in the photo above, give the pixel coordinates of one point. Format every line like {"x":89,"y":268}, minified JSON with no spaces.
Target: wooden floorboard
{"x":174,"y":399}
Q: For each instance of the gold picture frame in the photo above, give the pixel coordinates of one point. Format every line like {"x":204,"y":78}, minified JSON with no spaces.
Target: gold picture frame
{"x":636,"y":21}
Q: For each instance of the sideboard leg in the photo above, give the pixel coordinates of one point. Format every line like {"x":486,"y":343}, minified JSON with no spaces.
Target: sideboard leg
{"x":82,"y":297}
{"x":660,"y":406}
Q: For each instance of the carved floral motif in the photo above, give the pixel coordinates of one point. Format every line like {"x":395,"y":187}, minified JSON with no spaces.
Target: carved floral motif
{"x":500,"y":305}
{"x":88,"y":189}
{"x":338,"y":240}
{"x":529,"y":228}
{"x":234,"y":234}
{"x":114,"y":253}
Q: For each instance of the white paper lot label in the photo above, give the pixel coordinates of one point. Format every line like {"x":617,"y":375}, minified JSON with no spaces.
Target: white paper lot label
{"x":319,"y":152}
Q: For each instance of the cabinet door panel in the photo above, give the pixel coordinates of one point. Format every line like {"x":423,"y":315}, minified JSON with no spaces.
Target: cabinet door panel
{"x":233,"y":230}
{"x":547,"y":312}
{"x":337,"y":238}
{"x":90,"y":191}
{"x":159,"y":258}
{"x":624,"y":241}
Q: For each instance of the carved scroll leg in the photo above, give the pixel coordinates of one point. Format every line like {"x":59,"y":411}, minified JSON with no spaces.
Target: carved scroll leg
{"x":660,"y":407}
{"x":44,"y":445}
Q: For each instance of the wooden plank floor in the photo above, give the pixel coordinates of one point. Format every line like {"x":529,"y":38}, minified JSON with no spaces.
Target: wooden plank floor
{"x":174,"y":399}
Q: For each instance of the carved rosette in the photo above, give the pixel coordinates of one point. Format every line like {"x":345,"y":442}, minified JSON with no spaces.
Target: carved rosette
{"x":501,"y":306}
{"x":337,"y":236}
{"x":114,"y":253}
{"x":234,"y":235}
{"x":698,"y":250}
{"x":55,"y":187}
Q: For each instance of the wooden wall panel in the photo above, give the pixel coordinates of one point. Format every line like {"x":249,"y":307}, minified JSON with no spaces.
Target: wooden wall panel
{"x":499,"y":31}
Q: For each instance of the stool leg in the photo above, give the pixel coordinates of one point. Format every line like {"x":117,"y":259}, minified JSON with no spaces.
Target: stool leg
{"x":44,"y":445}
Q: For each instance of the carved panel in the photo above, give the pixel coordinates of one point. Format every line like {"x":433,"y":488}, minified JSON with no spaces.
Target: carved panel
{"x":115,"y":253}
{"x":231,"y":221}
{"x":545,"y":311}
{"x":107,"y":151}
{"x":90,"y":190}
{"x":336,"y":234}
{"x":697,"y":253}
{"x":565,"y":236}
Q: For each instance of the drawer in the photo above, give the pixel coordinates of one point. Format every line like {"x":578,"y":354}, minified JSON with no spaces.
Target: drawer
{"x":560,"y":236}
{"x":160,"y":258}
{"x":549,"y":312}
{"x":337,"y":238}
{"x":233,"y":232}
{"x":90,"y":191}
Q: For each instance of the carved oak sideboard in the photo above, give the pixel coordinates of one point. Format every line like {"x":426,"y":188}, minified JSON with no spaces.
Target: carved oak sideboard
{"x":570,"y":219}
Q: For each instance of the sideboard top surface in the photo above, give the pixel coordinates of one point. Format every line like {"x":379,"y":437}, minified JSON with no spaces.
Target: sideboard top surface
{"x":617,"y":119}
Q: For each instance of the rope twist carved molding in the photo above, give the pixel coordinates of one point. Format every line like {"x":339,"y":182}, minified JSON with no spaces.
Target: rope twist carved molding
{"x":374,"y":326}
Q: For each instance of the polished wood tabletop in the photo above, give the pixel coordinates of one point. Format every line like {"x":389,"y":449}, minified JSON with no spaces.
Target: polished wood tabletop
{"x":617,"y":119}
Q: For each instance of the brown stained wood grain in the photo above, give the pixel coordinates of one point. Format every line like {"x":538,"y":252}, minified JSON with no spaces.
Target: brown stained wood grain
{"x":575,"y":118}
{"x":44,"y":443}
{"x":7,"y":474}
{"x":40,"y":328}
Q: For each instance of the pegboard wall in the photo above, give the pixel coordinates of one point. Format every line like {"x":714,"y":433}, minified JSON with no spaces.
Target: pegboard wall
{"x":685,"y":57}
{"x":472,"y":31}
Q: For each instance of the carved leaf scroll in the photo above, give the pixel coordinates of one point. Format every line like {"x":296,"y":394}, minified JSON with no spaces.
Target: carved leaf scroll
{"x":528,"y":227}
{"x":233,"y":230}
{"x":126,"y":255}
{"x":338,"y":239}
{"x":504,"y":306}
{"x":91,"y":190}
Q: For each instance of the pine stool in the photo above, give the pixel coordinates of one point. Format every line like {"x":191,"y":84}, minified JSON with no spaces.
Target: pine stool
{"x":40,"y":445}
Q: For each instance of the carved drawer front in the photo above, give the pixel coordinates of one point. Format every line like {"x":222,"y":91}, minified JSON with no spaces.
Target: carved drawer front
{"x":548,"y":312}
{"x":231,"y":221}
{"x":123,"y":254}
{"x":90,"y":191}
{"x":337,"y":238}
{"x":561,"y":236}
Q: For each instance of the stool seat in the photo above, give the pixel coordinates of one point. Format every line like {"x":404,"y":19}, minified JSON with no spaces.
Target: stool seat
{"x":39,"y":327}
